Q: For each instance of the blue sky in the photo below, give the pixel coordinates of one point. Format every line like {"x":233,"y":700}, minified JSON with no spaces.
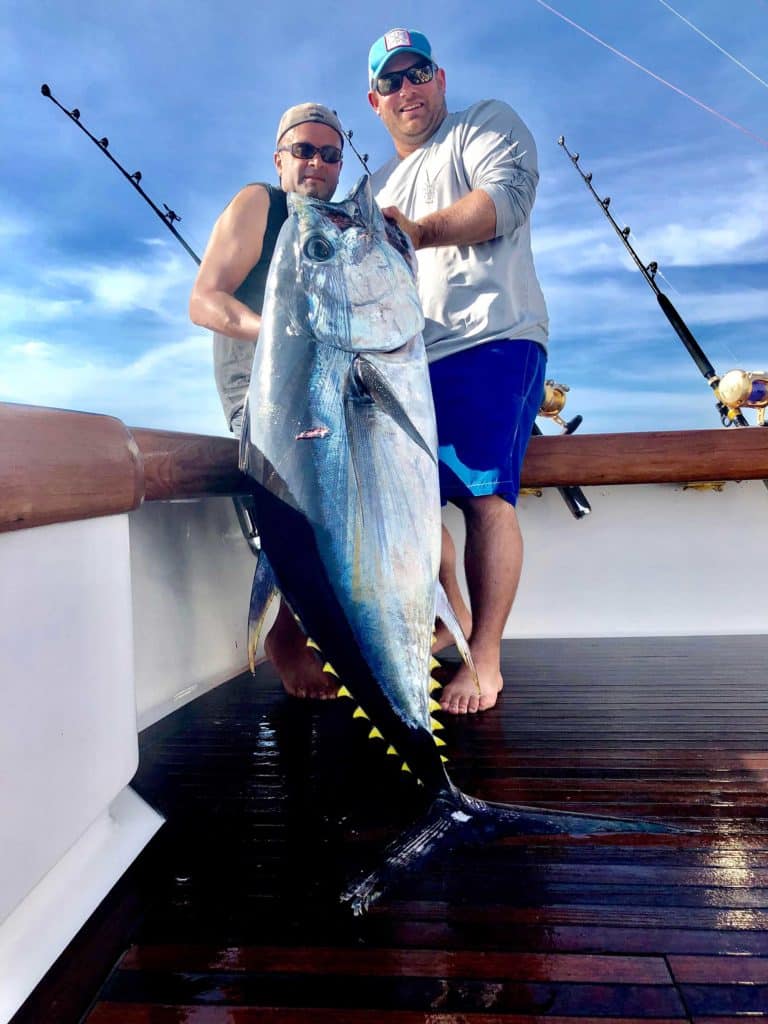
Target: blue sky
{"x":94,"y":290}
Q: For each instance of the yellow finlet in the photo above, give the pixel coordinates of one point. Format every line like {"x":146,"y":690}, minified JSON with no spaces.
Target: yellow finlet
{"x":374,"y":734}
{"x":391,"y":750}
{"x":404,"y":767}
{"x":311,"y":643}
{"x":436,"y":724}
{"x":328,"y":667}
{"x":434,"y":663}
{"x":434,"y":685}
{"x":444,"y":759}
{"x":343,"y":691}
{"x":433,"y":705}
{"x":439,"y":742}
{"x":359,"y":713}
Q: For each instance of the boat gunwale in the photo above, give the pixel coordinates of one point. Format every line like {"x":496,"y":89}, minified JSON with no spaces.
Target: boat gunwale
{"x":60,"y":466}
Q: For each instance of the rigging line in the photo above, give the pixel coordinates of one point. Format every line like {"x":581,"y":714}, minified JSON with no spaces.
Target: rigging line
{"x":713,"y":43}
{"x":658,"y":78}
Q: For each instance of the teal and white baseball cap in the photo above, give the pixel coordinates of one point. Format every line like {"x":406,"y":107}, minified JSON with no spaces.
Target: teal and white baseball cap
{"x":397,"y":40}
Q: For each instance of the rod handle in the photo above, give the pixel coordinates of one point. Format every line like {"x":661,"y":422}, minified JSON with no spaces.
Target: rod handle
{"x":681,"y":329}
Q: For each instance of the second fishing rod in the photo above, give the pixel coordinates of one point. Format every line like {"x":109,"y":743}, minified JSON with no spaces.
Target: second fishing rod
{"x":727,"y":416}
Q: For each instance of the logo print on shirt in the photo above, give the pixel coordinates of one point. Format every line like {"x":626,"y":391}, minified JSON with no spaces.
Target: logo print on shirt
{"x":428,"y":192}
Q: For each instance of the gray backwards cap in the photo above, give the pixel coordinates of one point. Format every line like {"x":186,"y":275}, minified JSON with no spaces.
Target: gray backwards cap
{"x":304,"y":112}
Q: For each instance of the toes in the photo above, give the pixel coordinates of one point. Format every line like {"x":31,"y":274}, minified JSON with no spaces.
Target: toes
{"x":455,"y":704}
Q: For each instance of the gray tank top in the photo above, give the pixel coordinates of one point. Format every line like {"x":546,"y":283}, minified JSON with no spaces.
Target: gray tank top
{"x":232,"y":360}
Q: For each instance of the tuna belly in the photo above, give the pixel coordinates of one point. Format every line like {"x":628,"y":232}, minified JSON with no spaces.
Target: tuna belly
{"x":301,"y":570}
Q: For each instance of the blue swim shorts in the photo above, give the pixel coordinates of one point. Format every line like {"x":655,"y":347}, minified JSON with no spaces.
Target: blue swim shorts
{"x":486,"y":400}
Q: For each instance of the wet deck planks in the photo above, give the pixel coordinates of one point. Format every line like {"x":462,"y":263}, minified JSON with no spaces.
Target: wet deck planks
{"x":272,"y":803}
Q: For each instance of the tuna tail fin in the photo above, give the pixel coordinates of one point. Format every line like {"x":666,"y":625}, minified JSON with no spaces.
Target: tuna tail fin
{"x":263,"y":590}
{"x":455,"y":819}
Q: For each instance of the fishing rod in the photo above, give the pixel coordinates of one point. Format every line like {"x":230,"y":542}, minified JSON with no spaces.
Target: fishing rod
{"x":169,"y":217}
{"x":363,"y":158}
{"x":729,"y":413}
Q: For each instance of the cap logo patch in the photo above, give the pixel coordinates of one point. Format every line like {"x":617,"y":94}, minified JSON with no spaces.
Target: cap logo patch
{"x":397,"y":37}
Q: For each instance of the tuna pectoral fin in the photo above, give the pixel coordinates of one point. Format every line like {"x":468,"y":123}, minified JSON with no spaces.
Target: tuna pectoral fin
{"x":445,"y":613}
{"x":263,"y":589}
{"x":457,"y":819}
{"x":375,"y":385}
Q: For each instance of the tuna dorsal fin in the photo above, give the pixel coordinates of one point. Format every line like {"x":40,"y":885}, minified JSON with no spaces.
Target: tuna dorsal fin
{"x":263,"y":590}
{"x":362,"y":201}
{"x":374,"y":384}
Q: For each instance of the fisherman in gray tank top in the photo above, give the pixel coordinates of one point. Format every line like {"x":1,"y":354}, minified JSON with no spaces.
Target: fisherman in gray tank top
{"x":462,"y":186}
{"x":227,"y":298}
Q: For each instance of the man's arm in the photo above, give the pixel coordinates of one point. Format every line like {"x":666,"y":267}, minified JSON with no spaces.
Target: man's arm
{"x":468,"y":221}
{"x":233,"y":250}
{"x":498,"y":154}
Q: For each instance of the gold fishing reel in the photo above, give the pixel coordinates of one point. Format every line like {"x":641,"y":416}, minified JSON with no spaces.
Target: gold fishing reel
{"x":553,"y":403}
{"x":740,"y":389}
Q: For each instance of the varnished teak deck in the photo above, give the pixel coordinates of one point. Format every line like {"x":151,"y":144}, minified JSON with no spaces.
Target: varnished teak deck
{"x":272,"y":803}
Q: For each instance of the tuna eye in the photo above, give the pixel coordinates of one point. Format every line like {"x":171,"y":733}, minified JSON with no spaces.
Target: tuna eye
{"x":318,"y":248}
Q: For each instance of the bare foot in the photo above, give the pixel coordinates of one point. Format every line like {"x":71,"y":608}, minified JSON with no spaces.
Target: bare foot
{"x":299,"y":667}
{"x":460,"y":696}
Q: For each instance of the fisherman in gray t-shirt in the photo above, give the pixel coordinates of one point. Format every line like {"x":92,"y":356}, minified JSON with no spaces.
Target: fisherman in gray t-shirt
{"x":462,"y":186}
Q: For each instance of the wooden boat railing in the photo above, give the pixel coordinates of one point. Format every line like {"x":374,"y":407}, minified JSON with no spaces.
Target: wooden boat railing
{"x":58,"y":466}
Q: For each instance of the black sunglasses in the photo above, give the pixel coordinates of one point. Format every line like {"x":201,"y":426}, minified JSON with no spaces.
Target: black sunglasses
{"x":305,"y":151}
{"x":417,"y":74}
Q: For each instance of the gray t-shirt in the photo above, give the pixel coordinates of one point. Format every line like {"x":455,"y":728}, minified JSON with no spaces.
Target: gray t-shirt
{"x":473,"y":293}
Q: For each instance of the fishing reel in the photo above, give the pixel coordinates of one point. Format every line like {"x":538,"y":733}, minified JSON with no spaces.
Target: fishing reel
{"x":552,"y":405}
{"x":740,"y":389}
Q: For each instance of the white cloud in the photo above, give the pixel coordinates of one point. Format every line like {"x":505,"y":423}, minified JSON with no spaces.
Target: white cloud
{"x":606,"y":305}
{"x":161,"y":287}
{"x":170,"y":386}
{"x":20,"y":307}
{"x":34,"y":349}
{"x":697,"y":225}
{"x":736,"y":306}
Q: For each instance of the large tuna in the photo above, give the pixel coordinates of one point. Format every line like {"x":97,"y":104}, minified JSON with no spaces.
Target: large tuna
{"x":339,"y":438}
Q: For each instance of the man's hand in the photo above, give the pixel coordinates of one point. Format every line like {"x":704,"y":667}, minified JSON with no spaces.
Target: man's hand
{"x":468,"y":221}
{"x":411,"y":228}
